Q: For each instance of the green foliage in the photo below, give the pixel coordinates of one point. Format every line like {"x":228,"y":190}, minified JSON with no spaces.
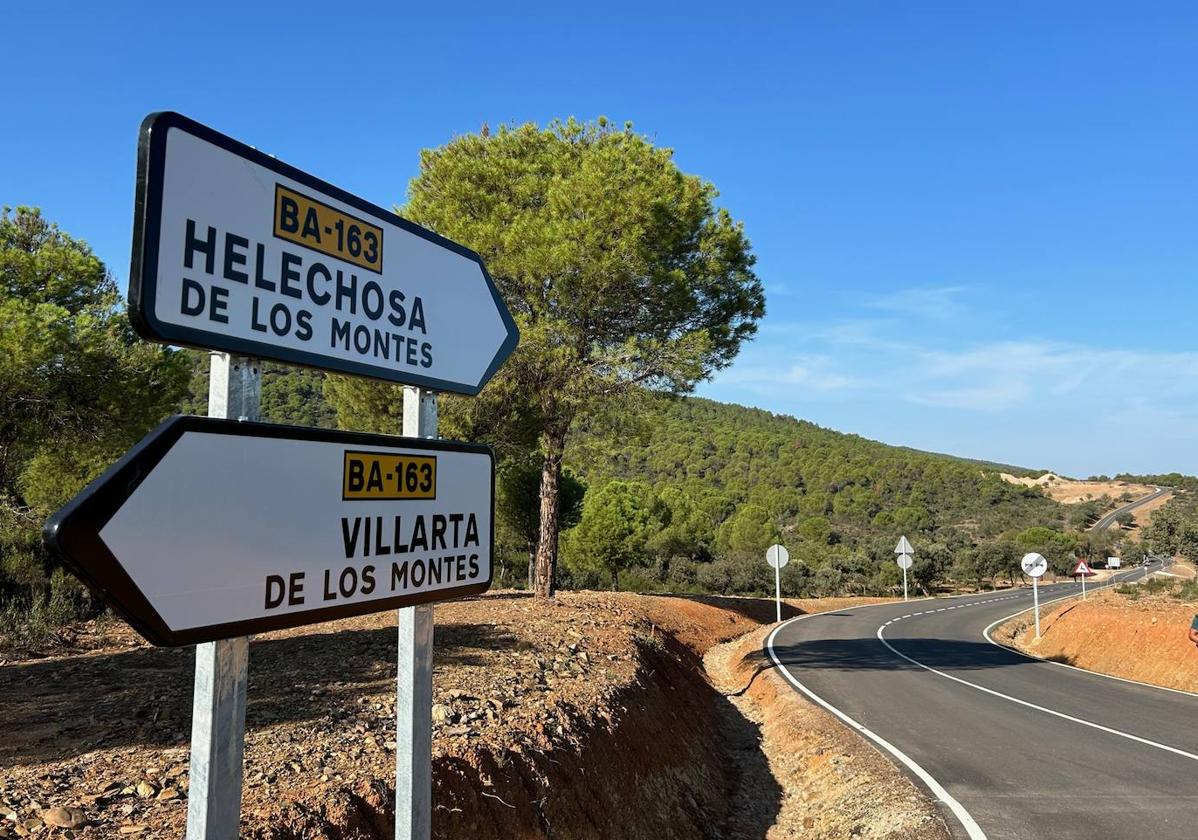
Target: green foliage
{"x":1176,"y":480}
{"x":76,"y":386}
{"x":619,"y":269}
{"x":742,"y":478}
{"x":1132,"y":553}
{"x":617,"y":524}
{"x":748,"y":532}
{"x":1188,"y":591}
{"x":1084,"y":514}
{"x":1174,"y":528}
{"x":1059,"y":549}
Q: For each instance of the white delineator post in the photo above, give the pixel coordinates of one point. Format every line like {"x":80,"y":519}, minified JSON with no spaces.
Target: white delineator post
{"x":222,"y":668}
{"x":414,"y":675}
{"x":1083,"y":587}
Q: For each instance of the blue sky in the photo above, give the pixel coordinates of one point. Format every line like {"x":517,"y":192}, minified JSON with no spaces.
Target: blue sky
{"x":976,"y":223}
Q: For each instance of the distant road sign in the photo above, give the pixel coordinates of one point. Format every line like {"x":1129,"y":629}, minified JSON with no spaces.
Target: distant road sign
{"x":210,"y":529}
{"x":903,"y":547}
{"x":1114,"y":562}
{"x":904,"y":561}
{"x":236,"y":251}
{"x":1083,"y":569}
{"x":1034,"y":565}
{"x":777,"y":556}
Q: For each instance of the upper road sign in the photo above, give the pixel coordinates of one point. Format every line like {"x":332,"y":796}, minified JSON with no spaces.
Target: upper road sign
{"x":1034,"y":565}
{"x":209,"y":529}
{"x":904,"y":546}
{"x":236,"y":251}
{"x":777,"y":556}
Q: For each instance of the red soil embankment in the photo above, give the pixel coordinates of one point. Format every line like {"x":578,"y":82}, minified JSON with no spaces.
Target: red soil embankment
{"x":836,"y":784}
{"x":588,"y":716}
{"x":1142,"y":638}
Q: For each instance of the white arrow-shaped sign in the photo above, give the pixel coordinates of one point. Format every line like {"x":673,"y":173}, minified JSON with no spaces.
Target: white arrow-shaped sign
{"x":211,"y":529}
{"x":236,"y":251}
{"x":903,"y":547}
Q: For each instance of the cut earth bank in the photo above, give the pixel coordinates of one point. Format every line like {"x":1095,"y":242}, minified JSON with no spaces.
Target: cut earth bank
{"x":590,"y":716}
{"x":1135,"y":633}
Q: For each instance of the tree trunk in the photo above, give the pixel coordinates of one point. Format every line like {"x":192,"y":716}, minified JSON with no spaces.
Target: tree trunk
{"x":546,"y":572}
{"x":532,"y":566}
{"x":615,"y":581}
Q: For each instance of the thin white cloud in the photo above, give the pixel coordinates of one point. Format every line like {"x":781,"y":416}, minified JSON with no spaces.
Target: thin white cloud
{"x":989,"y":377}
{"x":808,"y":371}
{"x":936,"y":303}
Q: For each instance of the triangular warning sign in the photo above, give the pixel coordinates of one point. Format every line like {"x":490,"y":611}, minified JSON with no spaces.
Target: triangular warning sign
{"x":1082,"y":569}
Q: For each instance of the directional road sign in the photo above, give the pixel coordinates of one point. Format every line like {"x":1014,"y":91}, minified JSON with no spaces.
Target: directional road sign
{"x":777,"y":556}
{"x":904,"y":561}
{"x":210,"y":529}
{"x":236,"y":251}
{"x":1083,"y":569}
{"x":1034,"y":565}
{"x":903,"y":547}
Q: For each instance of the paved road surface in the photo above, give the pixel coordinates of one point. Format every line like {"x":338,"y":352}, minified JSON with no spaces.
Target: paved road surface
{"x":1108,"y":520}
{"x":1014,"y":747}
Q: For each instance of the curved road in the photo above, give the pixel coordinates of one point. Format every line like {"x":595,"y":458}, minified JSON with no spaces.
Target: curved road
{"x":1107,"y":520}
{"x":1012,"y":747}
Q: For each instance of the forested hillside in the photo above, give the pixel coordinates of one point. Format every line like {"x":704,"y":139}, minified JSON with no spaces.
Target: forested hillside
{"x":686,"y":494}
{"x":727,"y":481}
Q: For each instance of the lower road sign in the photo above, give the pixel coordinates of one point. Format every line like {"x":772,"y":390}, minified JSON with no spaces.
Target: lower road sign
{"x":210,"y":529}
{"x":1034,"y":565}
{"x":777,"y":556}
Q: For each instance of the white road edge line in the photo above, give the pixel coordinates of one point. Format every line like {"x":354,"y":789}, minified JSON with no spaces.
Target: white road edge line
{"x":972,"y":829}
{"x":1044,"y":709}
{"x":990,"y":627}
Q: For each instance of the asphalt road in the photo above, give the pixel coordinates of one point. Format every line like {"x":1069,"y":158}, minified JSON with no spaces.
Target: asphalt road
{"x":1012,"y":747}
{"x":1106,"y":521}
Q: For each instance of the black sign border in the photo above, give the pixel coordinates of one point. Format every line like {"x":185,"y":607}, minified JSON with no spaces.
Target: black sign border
{"x":143,"y":270}
{"x":73,"y":533}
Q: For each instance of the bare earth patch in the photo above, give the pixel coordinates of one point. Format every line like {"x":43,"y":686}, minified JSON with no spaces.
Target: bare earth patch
{"x":588,"y":716}
{"x":1067,"y":491}
{"x":1142,"y":639}
{"x":835,"y":784}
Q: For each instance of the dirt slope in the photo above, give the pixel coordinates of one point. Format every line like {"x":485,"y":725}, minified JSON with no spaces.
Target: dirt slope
{"x":1069,"y":491}
{"x":834,"y":784}
{"x":585,"y":717}
{"x":1140,"y":639}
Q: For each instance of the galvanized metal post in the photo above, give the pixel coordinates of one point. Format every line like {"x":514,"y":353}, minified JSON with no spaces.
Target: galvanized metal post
{"x":778,"y":590}
{"x":1036,"y":600}
{"x":222,"y":668}
{"x":414,"y":676}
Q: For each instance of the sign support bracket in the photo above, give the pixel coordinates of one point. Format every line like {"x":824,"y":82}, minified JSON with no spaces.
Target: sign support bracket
{"x":222,"y":667}
{"x":414,"y":673}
